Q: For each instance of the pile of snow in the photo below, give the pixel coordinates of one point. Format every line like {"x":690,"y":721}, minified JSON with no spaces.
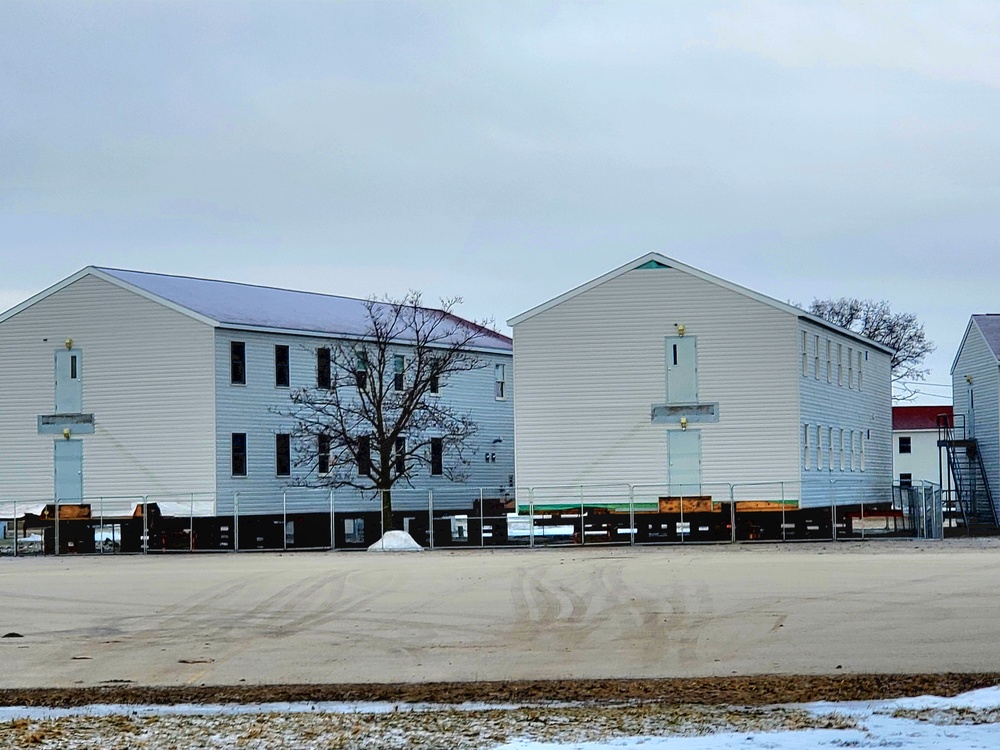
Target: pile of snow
{"x":395,"y":541}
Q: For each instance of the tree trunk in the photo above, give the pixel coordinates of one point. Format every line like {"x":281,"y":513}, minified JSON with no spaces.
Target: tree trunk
{"x":386,"y":510}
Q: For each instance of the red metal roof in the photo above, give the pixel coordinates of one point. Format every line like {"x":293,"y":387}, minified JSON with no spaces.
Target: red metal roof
{"x":918,"y":417}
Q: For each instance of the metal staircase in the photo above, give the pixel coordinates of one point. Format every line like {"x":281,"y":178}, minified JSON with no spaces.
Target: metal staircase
{"x":970,"y":498}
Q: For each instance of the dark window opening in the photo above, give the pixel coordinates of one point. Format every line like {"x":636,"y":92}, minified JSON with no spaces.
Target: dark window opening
{"x":675,"y":355}
{"x":72,"y":367}
{"x":323,"y":454}
{"x":399,"y":366}
{"x":437,"y":456}
{"x":282,"y":455}
{"x":364,"y":455}
{"x":281,"y":365}
{"x":905,"y":480}
{"x":400,"y":456}
{"x":904,"y":445}
{"x":239,"y":453}
{"x":361,"y":371}
{"x":323,"y":368}
{"x":237,"y":363}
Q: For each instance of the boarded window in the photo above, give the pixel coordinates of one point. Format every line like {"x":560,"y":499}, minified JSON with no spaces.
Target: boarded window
{"x":829,"y":448}
{"x":323,"y":368}
{"x":859,"y":369}
{"x":281,"y":366}
{"x":805,"y":445}
{"x":840,"y":443}
{"x":819,"y":447}
{"x":239,"y":454}
{"x":437,"y":457}
{"x":805,"y":355}
{"x":829,"y":361}
{"x":237,"y":363}
{"x":323,"y":453}
{"x":282,"y":455}
{"x":364,"y":456}
{"x":840,"y":364}
{"x":850,"y":367}
{"x":816,"y":357}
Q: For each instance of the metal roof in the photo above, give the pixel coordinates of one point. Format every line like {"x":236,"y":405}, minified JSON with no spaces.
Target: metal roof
{"x":232,"y":304}
{"x":918,"y":417}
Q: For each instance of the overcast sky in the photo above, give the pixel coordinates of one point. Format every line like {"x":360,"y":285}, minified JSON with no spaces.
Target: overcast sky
{"x":507,"y":152}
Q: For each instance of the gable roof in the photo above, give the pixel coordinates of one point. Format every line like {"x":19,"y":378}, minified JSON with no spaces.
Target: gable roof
{"x":228,"y":304}
{"x":657,"y":260}
{"x":918,"y":417}
{"x":988,"y":327}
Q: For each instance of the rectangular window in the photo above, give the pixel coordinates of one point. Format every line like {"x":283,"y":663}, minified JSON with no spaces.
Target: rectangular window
{"x":237,"y":363}
{"x":500,"y":385}
{"x":361,"y":370}
{"x":840,"y":443}
{"x":859,"y":370}
{"x":805,"y":355}
{"x":840,"y":364}
{"x":282,"y":455}
{"x":829,"y":448}
{"x":399,"y":368}
{"x":280,"y":366}
{"x":805,"y":445}
{"x":904,"y":444}
{"x":354,"y":531}
{"x":239,"y":454}
{"x":850,"y":367}
{"x":323,"y":368}
{"x":400,"y":456}
{"x":829,"y":362}
{"x":816,"y":357}
{"x":323,"y":453}
{"x":364,"y":455}
{"x":863,"y":440}
{"x":853,"y":449}
{"x":72,"y":367}
{"x":435,"y":380}
{"x":906,"y":480}
{"x":819,"y":447}
{"x":437,"y":457}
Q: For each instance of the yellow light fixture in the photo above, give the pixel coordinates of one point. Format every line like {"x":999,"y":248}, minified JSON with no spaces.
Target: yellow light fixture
{"x":69,"y":343}
{"x":684,"y":423}
{"x":680,"y":329}
{"x":66,"y":433}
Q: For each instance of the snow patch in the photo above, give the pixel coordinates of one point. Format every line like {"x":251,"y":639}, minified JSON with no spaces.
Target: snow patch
{"x":396,"y":541}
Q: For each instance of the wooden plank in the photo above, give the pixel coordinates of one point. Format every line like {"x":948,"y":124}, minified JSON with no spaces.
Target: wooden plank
{"x":699,"y":504}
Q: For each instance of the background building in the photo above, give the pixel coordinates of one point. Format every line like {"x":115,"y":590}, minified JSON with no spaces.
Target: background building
{"x":121,"y":384}
{"x":915,"y":454}
{"x":679,"y":383}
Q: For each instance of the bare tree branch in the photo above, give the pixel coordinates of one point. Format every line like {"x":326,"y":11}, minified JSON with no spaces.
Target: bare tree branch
{"x":387,"y":400}
{"x":875,"y":320}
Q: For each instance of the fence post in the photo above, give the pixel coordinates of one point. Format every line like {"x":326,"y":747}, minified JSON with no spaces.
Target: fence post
{"x":631,"y":515}
{"x":236,"y":522}
{"x":56,"y":534}
{"x":583,"y":527}
{"x":863,"y":517}
{"x":482,"y":539}
{"x":680,"y":529}
{"x":284,"y":520}
{"x":145,"y":525}
{"x":191,"y":526}
{"x":15,"y":528}
{"x":833,"y":510}
{"x":101,"y":511}
{"x":732,"y":515}
{"x":430,"y":518}
{"x":783,"y":512}
{"x":531,"y":517}
{"x":333,"y":538}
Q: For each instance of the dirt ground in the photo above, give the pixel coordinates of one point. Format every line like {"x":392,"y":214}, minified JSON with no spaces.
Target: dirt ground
{"x":749,"y":624}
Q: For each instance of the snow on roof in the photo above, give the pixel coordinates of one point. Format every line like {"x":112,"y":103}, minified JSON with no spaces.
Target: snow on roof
{"x":990,"y":327}
{"x":918,"y":417}
{"x":231,"y":303}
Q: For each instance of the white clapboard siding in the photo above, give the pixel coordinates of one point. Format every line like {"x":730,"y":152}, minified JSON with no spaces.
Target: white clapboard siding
{"x":590,"y":367}
{"x":255,"y":409}
{"x":835,"y":400}
{"x":977,"y":361}
{"x":147,"y":377}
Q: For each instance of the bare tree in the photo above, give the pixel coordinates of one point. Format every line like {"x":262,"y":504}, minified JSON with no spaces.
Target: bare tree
{"x":875,"y":320}
{"x":374,"y":418}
